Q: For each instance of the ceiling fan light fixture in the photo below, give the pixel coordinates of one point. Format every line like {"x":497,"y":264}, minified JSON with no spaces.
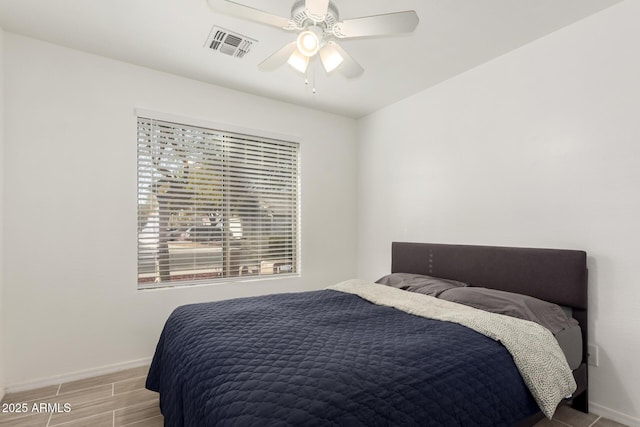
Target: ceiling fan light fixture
{"x":299,"y":61}
{"x":318,"y":23}
{"x":309,"y":41}
{"x":330,"y":58}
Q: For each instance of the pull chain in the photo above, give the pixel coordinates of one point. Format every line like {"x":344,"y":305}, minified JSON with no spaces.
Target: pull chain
{"x":311,"y":72}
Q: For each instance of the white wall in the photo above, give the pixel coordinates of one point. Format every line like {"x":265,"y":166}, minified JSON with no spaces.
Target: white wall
{"x":538,"y":148}
{"x":2,"y":324}
{"x":70,"y":210}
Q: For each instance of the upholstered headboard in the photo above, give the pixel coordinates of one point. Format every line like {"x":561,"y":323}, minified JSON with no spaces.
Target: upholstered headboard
{"x":554,"y":275}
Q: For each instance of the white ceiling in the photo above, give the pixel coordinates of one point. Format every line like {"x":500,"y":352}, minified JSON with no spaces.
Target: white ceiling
{"x":169,"y":35}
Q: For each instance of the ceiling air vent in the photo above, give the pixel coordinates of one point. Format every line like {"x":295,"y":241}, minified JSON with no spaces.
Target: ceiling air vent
{"x":228,"y":42}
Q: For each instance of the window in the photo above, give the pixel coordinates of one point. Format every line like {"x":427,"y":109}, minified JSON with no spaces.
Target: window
{"x":214,"y":204}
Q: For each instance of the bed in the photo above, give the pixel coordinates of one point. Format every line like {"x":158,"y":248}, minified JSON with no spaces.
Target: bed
{"x":338,"y":357}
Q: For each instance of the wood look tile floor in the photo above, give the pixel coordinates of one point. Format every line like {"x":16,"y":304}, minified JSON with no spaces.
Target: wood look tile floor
{"x":120,"y":399}
{"x":568,"y":417}
{"x":117,"y":399}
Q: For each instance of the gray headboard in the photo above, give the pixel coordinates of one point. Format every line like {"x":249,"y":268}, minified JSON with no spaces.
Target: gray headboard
{"x":554,"y":275}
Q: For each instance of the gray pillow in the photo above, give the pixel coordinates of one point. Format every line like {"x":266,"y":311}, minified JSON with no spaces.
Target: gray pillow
{"x":547,"y":314}
{"x":418,"y":283}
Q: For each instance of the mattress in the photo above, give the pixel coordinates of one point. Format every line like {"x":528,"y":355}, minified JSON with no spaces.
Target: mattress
{"x":570,"y":341}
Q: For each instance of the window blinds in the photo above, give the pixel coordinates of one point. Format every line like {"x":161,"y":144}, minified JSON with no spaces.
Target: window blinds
{"x":214,"y":204}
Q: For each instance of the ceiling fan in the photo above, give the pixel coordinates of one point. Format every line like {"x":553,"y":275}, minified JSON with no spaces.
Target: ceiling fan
{"x":318,"y":25}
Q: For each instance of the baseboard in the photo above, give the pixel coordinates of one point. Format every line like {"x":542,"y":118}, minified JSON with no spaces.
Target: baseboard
{"x":78,"y":375}
{"x":614,"y":415}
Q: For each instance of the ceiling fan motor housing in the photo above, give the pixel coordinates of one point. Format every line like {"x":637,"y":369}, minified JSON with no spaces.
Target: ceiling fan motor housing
{"x":302,"y":19}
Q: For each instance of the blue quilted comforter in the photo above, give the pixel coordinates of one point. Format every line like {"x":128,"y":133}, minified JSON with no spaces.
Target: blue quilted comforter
{"x":329,"y":358}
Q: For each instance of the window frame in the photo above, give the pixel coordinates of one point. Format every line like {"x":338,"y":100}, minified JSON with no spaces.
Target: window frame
{"x":231,"y":129}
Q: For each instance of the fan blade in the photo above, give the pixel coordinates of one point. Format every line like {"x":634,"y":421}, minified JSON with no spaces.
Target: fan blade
{"x":238,"y":10}
{"x":278,"y":58}
{"x":333,"y":53}
{"x":377,"y":25}
{"x":317,"y":9}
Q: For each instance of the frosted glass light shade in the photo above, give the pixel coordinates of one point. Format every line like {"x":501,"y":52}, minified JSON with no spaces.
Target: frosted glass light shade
{"x":308,"y":41}
{"x":330,"y":58}
{"x":299,"y":61}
